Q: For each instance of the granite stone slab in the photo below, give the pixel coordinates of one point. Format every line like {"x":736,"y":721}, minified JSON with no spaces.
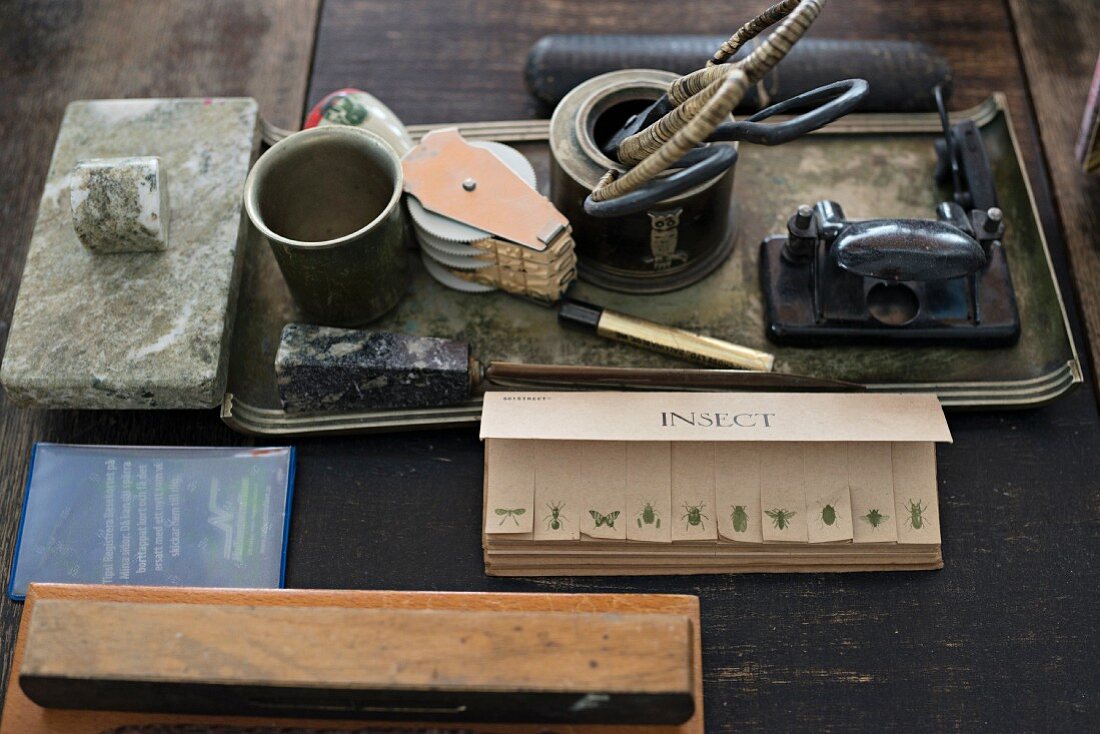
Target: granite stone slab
{"x":321,"y":369}
{"x":137,"y":329}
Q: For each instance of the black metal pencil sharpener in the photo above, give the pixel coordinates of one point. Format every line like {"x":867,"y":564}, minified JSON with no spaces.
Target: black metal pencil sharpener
{"x":942,"y":280}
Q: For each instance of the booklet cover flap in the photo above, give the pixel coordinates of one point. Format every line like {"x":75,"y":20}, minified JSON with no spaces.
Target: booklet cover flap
{"x":728,"y":416}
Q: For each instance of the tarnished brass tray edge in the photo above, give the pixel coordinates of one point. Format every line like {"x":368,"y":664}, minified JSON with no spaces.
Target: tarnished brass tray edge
{"x":249,"y":419}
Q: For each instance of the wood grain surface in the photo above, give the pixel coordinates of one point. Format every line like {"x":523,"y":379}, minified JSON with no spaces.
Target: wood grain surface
{"x":1060,"y":42}
{"x":418,"y":650}
{"x":1020,"y":503}
{"x":22,"y":716}
{"x":55,"y":51}
{"x":1003,"y":638}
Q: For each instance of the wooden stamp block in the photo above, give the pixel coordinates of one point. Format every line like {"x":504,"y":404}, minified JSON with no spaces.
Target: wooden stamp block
{"x":600,"y":661}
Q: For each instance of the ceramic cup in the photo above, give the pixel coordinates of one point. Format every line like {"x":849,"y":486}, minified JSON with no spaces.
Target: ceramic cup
{"x":361,"y":109}
{"x":328,"y":200}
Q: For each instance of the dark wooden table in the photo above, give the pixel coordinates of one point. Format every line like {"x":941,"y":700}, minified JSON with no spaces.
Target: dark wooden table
{"x":1004,"y":637}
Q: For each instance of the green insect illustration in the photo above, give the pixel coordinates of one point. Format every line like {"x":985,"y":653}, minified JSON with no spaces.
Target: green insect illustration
{"x":556,"y":520}
{"x":739,"y":518}
{"x":648,"y":515}
{"x":505,"y":514}
{"x":781,"y":518}
{"x":916,"y":513}
{"x":874,"y":518}
{"x":694,"y":515}
{"x":828,"y":514}
{"x":608,"y":519}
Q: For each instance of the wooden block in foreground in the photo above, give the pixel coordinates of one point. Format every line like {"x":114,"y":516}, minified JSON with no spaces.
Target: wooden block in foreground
{"x":198,"y":656}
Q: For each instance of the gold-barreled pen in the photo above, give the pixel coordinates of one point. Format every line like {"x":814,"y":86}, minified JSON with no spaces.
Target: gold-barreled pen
{"x":660,"y":338}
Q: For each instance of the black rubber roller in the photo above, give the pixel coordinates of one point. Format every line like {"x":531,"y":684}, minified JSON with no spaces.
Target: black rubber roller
{"x":901,"y":74}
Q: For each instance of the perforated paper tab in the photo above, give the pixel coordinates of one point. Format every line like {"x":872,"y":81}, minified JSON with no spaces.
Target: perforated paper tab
{"x":603,"y":489}
{"x":510,"y":488}
{"x":871,"y":482}
{"x":783,"y":493}
{"x":559,"y":497}
{"x":828,"y":500}
{"x":649,"y":491}
{"x":693,"y":491}
{"x":737,"y":492}
{"x":916,"y":500}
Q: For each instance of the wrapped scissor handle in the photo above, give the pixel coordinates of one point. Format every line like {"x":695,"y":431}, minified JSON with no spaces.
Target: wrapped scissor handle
{"x":703,"y":163}
{"x":696,"y":110}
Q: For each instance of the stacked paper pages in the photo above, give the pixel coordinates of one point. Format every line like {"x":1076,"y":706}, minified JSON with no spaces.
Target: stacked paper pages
{"x":783,"y":483}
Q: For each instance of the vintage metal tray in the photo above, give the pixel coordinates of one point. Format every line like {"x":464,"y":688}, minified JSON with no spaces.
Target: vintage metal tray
{"x":875,"y":165}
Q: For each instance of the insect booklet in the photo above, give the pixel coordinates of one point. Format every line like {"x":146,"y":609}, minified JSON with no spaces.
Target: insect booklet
{"x":154,"y":517}
{"x":599,"y":483}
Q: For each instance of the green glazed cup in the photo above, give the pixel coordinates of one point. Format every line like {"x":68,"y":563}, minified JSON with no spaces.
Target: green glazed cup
{"x":328,"y":201}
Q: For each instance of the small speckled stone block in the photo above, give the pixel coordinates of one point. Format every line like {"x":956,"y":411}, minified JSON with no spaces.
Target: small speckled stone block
{"x":120,"y":204}
{"x":324,"y":369}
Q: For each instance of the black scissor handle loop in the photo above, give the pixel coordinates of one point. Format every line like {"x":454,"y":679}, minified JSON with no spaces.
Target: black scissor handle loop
{"x":702,"y":164}
{"x":698,"y":166}
{"x":839,"y":99}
